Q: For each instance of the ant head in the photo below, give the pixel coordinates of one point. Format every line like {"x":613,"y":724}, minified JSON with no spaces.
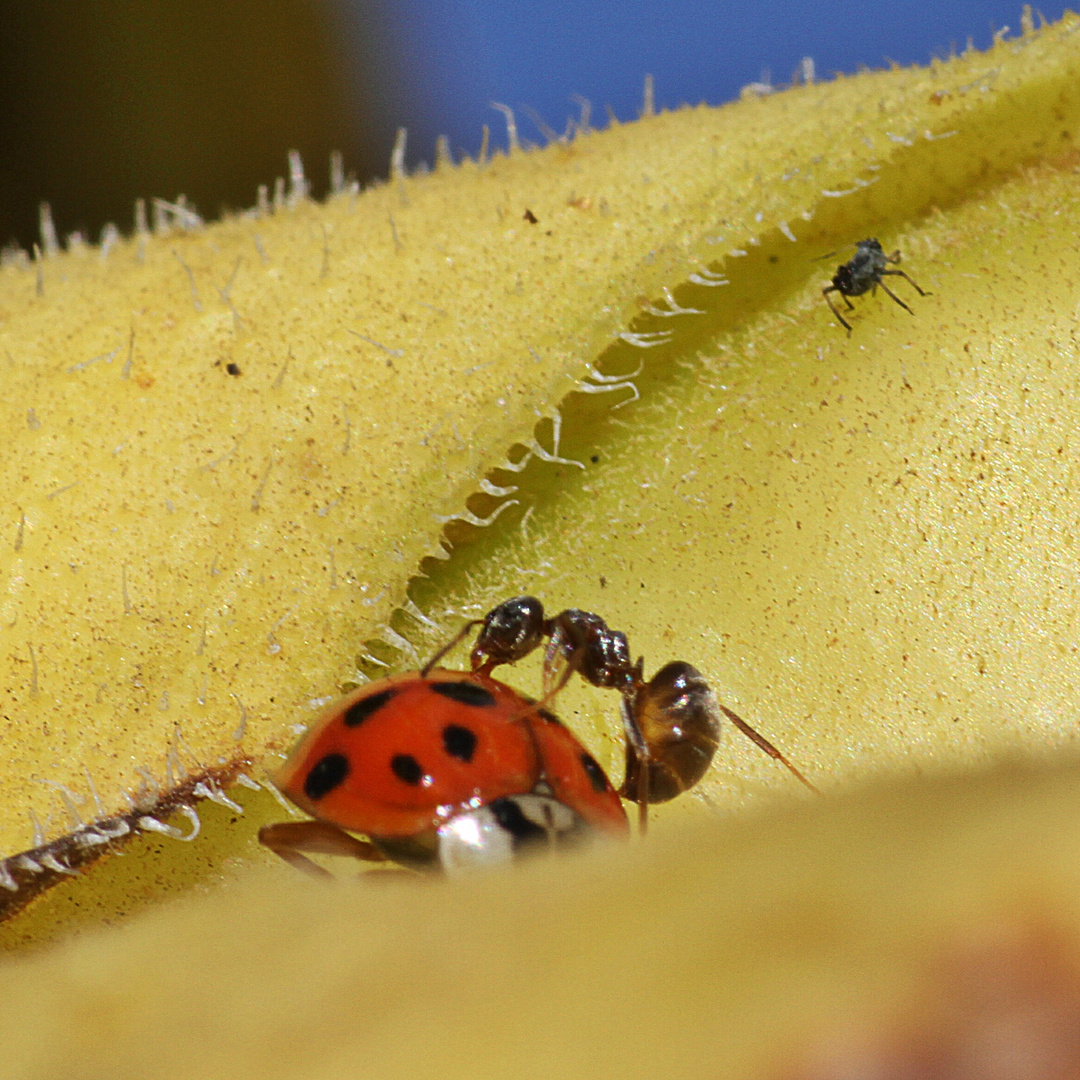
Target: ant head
{"x":869,"y":244}
{"x":509,"y":632}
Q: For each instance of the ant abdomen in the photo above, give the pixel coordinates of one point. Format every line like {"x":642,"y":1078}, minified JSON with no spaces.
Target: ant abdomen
{"x":678,"y":719}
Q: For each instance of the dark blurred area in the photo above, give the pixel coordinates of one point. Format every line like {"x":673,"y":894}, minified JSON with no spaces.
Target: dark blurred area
{"x":105,"y":102}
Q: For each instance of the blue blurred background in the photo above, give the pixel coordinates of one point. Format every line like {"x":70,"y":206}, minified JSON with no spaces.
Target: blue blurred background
{"x":443,"y":61}
{"x":107,"y":102}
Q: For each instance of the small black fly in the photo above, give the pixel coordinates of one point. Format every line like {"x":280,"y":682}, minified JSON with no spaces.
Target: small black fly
{"x":862,"y":273}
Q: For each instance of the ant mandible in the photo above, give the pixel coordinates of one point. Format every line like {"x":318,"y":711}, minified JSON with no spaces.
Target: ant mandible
{"x":863,"y":272}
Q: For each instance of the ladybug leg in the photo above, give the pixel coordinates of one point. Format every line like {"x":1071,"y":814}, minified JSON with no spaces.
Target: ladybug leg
{"x":289,"y":838}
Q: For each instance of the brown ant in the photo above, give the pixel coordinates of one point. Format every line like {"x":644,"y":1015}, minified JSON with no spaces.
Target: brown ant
{"x":671,"y":722}
{"x":864,"y":272}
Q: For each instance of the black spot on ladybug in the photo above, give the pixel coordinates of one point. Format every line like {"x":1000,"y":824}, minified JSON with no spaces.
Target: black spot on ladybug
{"x":233,"y":369}
{"x":359,"y":711}
{"x":597,"y":776}
{"x":406,"y":768}
{"x":550,"y":717}
{"x":465,"y":693}
{"x":459,"y":742}
{"x":325,"y":775}
{"x":510,"y":816}
{"x":530,"y":217}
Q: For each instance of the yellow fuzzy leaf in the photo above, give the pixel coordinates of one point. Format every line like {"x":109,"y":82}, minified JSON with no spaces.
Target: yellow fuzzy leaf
{"x":868,"y":542}
{"x":736,"y":952}
{"x":197,"y":556}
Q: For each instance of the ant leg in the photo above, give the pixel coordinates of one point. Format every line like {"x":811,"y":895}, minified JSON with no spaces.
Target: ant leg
{"x":764,"y":744}
{"x":636,"y":740}
{"x":889,"y":292}
{"x":289,"y":838}
{"x":843,"y":322}
{"x":894,"y":257}
{"x":557,"y":666}
{"x":910,"y":281}
{"x":452,"y":643}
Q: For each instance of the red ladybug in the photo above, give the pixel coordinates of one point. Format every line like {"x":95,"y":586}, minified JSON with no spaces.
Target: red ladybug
{"x":455,"y":770}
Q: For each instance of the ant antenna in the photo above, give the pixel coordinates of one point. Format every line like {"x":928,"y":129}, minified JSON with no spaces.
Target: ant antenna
{"x":451,"y":644}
